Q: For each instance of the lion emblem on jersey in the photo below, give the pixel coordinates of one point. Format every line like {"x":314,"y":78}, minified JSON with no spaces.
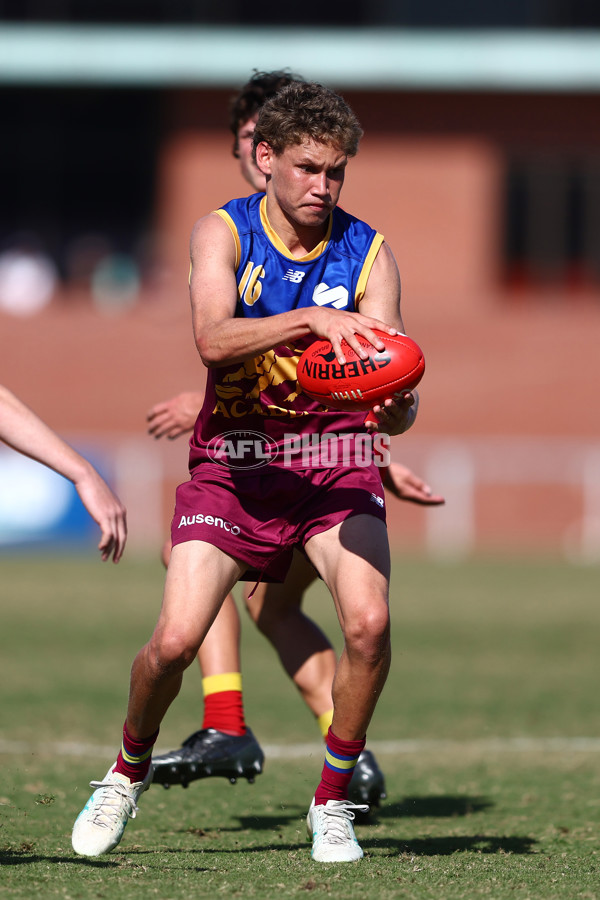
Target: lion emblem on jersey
{"x":262,"y":372}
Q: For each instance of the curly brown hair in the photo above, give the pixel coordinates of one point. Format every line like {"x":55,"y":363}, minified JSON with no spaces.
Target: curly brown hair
{"x":307,"y":110}
{"x":257,"y":90}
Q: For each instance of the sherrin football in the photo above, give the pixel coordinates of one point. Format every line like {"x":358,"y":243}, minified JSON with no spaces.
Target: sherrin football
{"x":360,"y":384}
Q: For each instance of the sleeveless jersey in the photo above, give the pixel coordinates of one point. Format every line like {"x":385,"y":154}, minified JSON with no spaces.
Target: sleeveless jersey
{"x":262,"y":393}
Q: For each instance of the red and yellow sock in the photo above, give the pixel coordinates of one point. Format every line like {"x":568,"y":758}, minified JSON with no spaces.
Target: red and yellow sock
{"x":135,"y":756}
{"x":325,"y":720}
{"x":223,"y":703}
{"x":340,"y":760}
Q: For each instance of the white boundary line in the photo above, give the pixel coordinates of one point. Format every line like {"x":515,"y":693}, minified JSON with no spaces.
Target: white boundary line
{"x":300,"y":751}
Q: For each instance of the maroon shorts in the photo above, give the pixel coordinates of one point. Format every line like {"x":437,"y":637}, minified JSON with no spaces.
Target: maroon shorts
{"x":259,"y":516}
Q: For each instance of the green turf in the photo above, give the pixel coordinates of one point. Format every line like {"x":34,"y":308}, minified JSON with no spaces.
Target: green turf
{"x":490,"y":649}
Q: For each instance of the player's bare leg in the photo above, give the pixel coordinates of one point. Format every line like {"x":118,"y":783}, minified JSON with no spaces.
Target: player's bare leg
{"x":220,"y":650}
{"x":309,"y":659}
{"x":198,"y":578}
{"x":304,"y":651}
{"x":353,"y":559}
{"x":224,"y":746}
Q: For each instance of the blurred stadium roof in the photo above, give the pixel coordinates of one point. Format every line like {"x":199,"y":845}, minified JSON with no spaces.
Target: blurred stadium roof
{"x":371,"y":58}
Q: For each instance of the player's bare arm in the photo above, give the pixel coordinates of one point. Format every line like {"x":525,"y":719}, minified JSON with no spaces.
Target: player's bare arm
{"x":400,"y":481}
{"x":25,"y":432}
{"x":172,"y":418}
{"x":106,"y":509}
{"x":382,"y":299}
{"x":222,"y":339}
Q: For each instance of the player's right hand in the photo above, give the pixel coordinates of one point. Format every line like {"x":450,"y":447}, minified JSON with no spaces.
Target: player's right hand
{"x":174,"y":417}
{"x":336,"y":326}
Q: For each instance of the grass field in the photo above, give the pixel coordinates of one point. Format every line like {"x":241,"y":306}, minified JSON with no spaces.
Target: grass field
{"x":491,"y":790}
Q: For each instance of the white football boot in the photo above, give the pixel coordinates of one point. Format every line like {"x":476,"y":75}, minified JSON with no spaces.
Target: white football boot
{"x":330,"y":828}
{"x":100,"y":825}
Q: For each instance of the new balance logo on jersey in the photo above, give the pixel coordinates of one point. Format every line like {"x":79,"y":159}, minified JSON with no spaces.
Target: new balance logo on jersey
{"x":337,"y":297}
{"x":294,"y":275}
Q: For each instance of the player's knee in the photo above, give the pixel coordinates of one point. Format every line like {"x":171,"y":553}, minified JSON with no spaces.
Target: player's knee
{"x":171,"y":651}
{"x":368,"y":633}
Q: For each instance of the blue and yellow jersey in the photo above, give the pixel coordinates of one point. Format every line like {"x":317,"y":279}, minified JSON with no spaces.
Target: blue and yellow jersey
{"x":262,"y":394}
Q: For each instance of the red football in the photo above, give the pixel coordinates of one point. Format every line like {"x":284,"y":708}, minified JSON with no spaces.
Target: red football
{"x":361,"y":383}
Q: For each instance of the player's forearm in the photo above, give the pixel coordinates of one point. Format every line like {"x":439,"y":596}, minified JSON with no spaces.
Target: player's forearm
{"x":22,"y":430}
{"x":234,"y":340}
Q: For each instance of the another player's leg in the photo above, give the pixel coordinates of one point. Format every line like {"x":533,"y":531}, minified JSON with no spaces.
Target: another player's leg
{"x":224,"y":745}
{"x":198,"y":579}
{"x":310,"y":660}
{"x":353,"y":559}
{"x":304,"y":651}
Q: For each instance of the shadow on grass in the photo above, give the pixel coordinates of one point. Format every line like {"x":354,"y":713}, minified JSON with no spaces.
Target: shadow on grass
{"x":411,"y":807}
{"x":446,"y":846}
{"x":23,"y":858}
{"x":267,"y":823}
{"x":435,"y":846}
{"x":26,"y":858}
{"x":442,"y":807}
{"x":250,"y":823}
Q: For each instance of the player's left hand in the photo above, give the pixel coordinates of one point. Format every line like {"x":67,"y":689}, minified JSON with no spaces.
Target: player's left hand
{"x":405,"y":485}
{"x":107,"y":510}
{"x":394,"y":416}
